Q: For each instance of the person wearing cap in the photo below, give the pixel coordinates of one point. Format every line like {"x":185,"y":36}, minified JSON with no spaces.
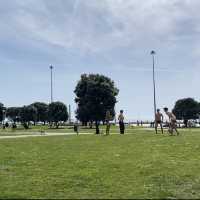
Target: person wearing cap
{"x":158,"y":120}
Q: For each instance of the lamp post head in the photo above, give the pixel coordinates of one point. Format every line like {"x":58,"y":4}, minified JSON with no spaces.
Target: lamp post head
{"x":153,"y":52}
{"x":51,"y":67}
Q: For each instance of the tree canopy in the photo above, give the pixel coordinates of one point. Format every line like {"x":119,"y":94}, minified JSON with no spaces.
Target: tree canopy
{"x":95,"y":94}
{"x":186,"y":109}
{"x":42,"y":111}
{"x":13,"y":113}
{"x":1,"y":111}
{"x":28,"y":113}
{"x":57,"y":112}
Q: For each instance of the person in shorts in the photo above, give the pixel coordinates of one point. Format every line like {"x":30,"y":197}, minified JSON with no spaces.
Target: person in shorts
{"x":172,"y":121}
{"x":158,"y":120}
{"x":108,"y":118}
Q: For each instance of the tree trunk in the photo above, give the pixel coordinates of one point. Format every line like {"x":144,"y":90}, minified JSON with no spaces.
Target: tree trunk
{"x":97,"y":127}
{"x":50,"y":125}
{"x":185,"y":123}
{"x":57,"y":125}
{"x":91,"y":123}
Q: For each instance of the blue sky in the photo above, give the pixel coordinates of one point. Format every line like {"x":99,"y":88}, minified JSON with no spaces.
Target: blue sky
{"x":110,"y":37}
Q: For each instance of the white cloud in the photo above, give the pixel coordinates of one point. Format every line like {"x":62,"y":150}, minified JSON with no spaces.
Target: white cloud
{"x":113,"y":37}
{"x":103,"y":25}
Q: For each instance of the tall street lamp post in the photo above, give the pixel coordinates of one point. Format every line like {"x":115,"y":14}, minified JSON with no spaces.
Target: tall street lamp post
{"x":154,"y":83}
{"x":51,"y":68}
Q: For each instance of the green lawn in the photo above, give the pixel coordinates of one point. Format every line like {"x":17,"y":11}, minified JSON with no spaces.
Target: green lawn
{"x":137,"y":165}
{"x":67,"y":129}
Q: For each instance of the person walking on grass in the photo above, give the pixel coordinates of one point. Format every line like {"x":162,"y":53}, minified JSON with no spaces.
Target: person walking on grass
{"x":76,"y":127}
{"x":121,"y":122}
{"x":108,"y":118}
{"x":172,"y":121}
{"x":158,"y":120}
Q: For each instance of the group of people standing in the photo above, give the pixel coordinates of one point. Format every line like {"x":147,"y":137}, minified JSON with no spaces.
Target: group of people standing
{"x":158,"y":121}
{"x":108,"y":118}
{"x":172,"y":121}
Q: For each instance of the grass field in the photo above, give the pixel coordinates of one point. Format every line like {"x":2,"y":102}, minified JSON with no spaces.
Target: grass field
{"x":137,"y":165}
{"x":66,"y":129}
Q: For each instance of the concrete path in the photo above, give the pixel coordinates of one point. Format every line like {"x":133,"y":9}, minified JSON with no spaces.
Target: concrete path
{"x":40,"y":135}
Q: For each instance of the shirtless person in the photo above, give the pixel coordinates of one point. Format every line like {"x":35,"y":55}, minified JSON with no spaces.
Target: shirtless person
{"x":158,"y":120}
{"x":172,"y":122}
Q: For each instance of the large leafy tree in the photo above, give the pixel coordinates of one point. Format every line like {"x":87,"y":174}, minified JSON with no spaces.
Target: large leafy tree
{"x":186,"y":109}
{"x":95,"y":94}
{"x":57,"y":112}
{"x":199,"y":113}
{"x":28,"y":114}
{"x":13,"y":113}
{"x":42,"y":111}
{"x":1,"y":111}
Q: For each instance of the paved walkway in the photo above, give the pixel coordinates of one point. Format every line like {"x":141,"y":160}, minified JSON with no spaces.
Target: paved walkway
{"x":40,"y":135}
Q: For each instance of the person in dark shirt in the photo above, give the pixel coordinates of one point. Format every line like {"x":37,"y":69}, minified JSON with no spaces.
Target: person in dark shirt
{"x":121,"y":122}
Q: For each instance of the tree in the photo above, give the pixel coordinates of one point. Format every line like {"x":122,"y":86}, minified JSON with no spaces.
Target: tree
{"x":186,"y":109}
{"x":28,"y":114}
{"x":199,"y":112}
{"x":57,"y":112}
{"x":42,"y":111}
{"x":1,"y":112}
{"x":95,"y":94}
{"x":14,"y":113}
